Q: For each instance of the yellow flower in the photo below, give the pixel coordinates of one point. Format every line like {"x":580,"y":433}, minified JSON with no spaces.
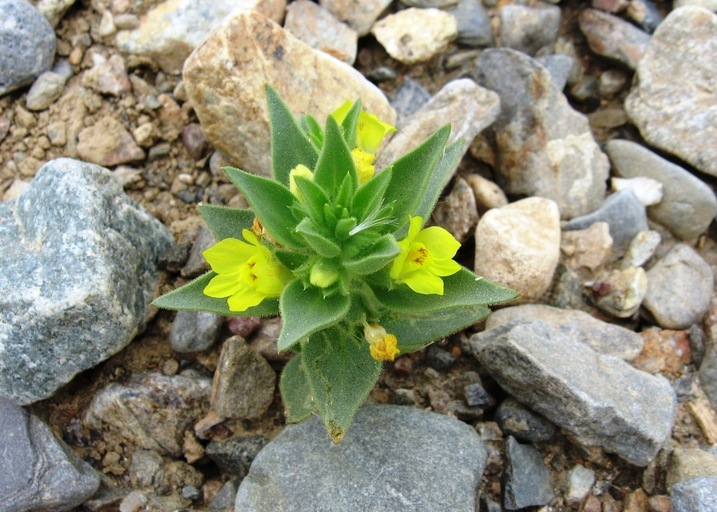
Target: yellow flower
{"x":426,"y":256}
{"x":246,"y":272}
{"x":371,"y":130}
{"x":381,"y":345}
{"x":304,"y":172}
{"x":364,"y":164}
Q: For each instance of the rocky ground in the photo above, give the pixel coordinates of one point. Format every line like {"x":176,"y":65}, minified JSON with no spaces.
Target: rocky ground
{"x":595,"y":398}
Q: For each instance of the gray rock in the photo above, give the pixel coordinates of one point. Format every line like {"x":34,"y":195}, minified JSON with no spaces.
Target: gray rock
{"x":602,"y":337}
{"x":439,"y":4}
{"x":467,"y":106}
{"x":526,"y":480}
{"x":688,"y":463}
{"x":664,"y":103}
{"x":145,"y":470}
{"x":130,"y":410}
{"x":624,"y":214}
{"x":559,"y":66}
{"x":86,"y":257}
{"x":27,"y":44}
{"x":45,"y":90}
{"x":392,"y":458}
{"x":620,"y":292}
{"x":679,"y":289}
{"x":645,"y":14}
{"x":474,"y":29}
{"x":360,"y":16}
{"x":236,"y":453}
{"x":688,"y":205}
{"x":708,"y":372}
{"x":194,"y":331}
{"x":520,"y":422}
{"x":39,"y":471}
{"x":458,"y":212}
{"x":226,"y":496}
{"x":694,"y":495}
{"x":599,"y":400}
{"x":530,"y":30}
{"x":580,"y":483}
{"x":544,"y":147}
{"x":196,"y":264}
{"x":54,"y":10}
{"x":613,"y":37}
{"x":409,"y":98}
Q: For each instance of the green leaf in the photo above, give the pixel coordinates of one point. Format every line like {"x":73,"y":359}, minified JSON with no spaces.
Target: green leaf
{"x":350,"y":124}
{"x":296,"y":391}
{"x":439,"y":178}
{"x":290,"y":259}
{"x":369,"y":196}
{"x":318,"y":241}
{"x":271,"y":203}
{"x":313,"y":129}
{"x":341,"y":373}
{"x":463,"y":288}
{"x":289,"y":144}
{"x":226,"y":222}
{"x":305,"y":311}
{"x":335,"y":160}
{"x":314,"y":196}
{"x":375,"y":258}
{"x":191,"y":297}
{"x":411,"y":174}
{"x":346,"y":191}
{"x":416,"y":331}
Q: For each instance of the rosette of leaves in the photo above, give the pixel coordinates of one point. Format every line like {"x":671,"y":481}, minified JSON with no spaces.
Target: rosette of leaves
{"x":331,"y":246}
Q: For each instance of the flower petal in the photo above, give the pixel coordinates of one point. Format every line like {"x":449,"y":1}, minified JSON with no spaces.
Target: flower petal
{"x":423,"y":281}
{"x":224,"y":285}
{"x":444,"y":267}
{"x":245,"y":299}
{"x":439,"y":242}
{"x":371,"y":132}
{"x":228,"y":255}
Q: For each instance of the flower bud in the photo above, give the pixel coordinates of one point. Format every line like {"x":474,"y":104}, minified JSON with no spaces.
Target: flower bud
{"x":322,"y":275}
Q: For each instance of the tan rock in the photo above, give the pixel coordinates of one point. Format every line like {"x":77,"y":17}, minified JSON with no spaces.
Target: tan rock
{"x":518,"y":245}
{"x":108,"y":143}
{"x":225,"y":79}
{"x":686,"y":463}
{"x":587,"y":248}
{"x":360,"y":16}
{"x":320,"y":29}
{"x":487,"y":193}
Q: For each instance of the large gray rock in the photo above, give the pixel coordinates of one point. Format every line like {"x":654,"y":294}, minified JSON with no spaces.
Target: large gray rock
{"x":672,"y":100}
{"x":27,"y":44}
{"x":392,"y":458}
{"x":688,"y":205}
{"x":38,"y":470}
{"x":544,"y":147}
{"x":600,"y":400}
{"x":604,"y":338}
{"x":694,"y":495}
{"x":79,"y":271}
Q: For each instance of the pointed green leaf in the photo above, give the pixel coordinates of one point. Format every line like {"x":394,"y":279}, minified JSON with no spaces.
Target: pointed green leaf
{"x":226,"y":222}
{"x":313,"y":129}
{"x":335,"y":160}
{"x":341,"y":373}
{"x":350,"y":124}
{"x":271,"y":203}
{"x":378,"y":256}
{"x":191,"y":297}
{"x":416,"y":331}
{"x":411,"y":174}
{"x":290,"y":259}
{"x":290,"y":146}
{"x":463,"y":288}
{"x":296,"y":391}
{"x":346,"y":191}
{"x":314,"y":197}
{"x":305,"y":311}
{"x":369,"y":196}
{"x":439,"y":178}
{"x":318,"y":241}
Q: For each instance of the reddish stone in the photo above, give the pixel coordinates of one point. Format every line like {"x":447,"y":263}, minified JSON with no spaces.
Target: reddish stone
{"x":664,"y":351}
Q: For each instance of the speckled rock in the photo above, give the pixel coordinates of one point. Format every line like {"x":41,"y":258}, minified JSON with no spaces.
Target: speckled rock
{"x":318,"y":28}
{"x":688,"y":463}
{"x":415,"y":35}
{"x":520,"y":422}
{"x":170,"y":31}
{"x":360,"y":16}
{"x":680,"y":287}
{"x":529,"y":29}
{"x":526,"y":479}
{"x":108,"y":143}
{"x":663,"y":102}
{"x":688,"y":205}
{"x":194,"y":331}
{"x":27,"y":44}
{"x":518,"y":245}
{"x":613,"y":37}
{"x":620,"y":292}
{"x":392,"y":458}
{"x":694,"y":495}
{"x":587,"y":249}
{"x":87,"y":257}
{"x":544,"y":147}
{"x":598,"y":399}
{"x":474,"y":28}
{"x":248,"y":52}
{"x":457,"y":212}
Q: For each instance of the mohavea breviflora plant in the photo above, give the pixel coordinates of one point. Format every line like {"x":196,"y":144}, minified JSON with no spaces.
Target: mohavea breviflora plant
{"x":340,"y":252}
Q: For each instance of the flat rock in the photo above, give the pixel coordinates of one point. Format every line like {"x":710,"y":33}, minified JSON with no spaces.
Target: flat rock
{"x":236,"y":453}
{"x":544,"y":147}
{"x":45,"y":90}
{"x":468,"y":107}
{"x":108,"y":143}
{"x":392,"y":458}
{"x":321,"y":30}
{"x":688,"y":205}
{"x":360,"y":16}
{"x":599,"y":400}
{"x":602,"y":337}
{"x":27,"y":44}
{"x":680,"y":287}
{"x":415,"y":35}
{"x":529,"y":29}
{"x":613,"y":37}
{"x":526,"y":479}
{"x":624,"y":214}
{"x":170,"y":31}
{"x":39,"y":471}
{"x":672,"y":99}
{"x":518,"y":421}
{"x":474,"y":29}
{"x":518,"y":245}
{"x":694,"y":495}
{"x":86,"y":256}
{"x":225,"y":80}
{"x":194,"y":331}
{"x":131,"y":410}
